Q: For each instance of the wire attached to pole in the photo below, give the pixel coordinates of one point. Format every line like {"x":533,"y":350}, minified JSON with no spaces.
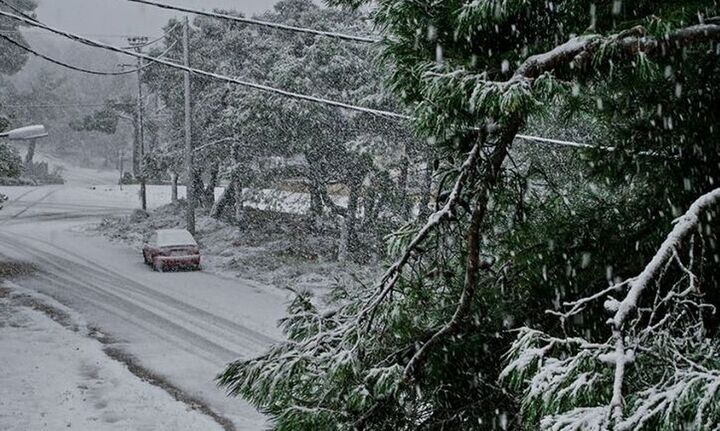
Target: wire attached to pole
{"x":66,"y":65}
{"x":199,"y":72}
{"x":261,"y":87}
{"x":154,"y":41}
{"x":258,"y":22}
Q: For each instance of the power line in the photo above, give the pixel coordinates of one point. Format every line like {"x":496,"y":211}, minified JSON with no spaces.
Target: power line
{"x":257,"y":22}
{"x":17,"y":10}
{"x":45,"y":57}
{"x":212,"y":75}
{"x":41,"y":33}
{"x":63,"y":64}
{"x":564,"y":143}
{"x":265,"y":88}
{"x":23,"y":14}
{"x":65,"y":105}
{"x":77,"y":68}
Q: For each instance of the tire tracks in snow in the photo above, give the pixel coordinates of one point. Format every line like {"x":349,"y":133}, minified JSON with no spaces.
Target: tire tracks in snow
{"x":61,"y":317}
{"x":199,"y":333}
{"x":32,"y":203}
{"x":143,"y":297}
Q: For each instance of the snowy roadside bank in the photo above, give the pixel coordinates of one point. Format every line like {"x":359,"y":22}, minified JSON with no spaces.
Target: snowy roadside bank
{"x":277,"y":249}
{"x":55,"y":376}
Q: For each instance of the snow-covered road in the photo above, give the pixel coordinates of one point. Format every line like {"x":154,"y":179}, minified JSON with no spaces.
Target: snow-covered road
{"x":182,"y":327}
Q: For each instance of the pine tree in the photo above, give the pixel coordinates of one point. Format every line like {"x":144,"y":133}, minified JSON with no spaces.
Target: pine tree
{"x":423,"y":348}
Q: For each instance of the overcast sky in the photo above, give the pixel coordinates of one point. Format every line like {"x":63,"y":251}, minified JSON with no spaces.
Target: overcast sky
{"x":120,"y":17}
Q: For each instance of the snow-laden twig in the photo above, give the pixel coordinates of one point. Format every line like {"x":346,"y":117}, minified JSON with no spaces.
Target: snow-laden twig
{"x":684,"y":226}
{"x":580,"y":419}
{"x":676,"y":362}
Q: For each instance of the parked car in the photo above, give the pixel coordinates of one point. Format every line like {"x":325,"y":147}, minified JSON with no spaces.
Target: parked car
{"x":172,"y":249}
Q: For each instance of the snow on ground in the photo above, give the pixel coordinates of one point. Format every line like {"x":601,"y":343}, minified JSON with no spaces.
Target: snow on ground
{"x":278,"y":249}
{"x":73,"y":174}
{"x":181,"y":328}
{"x":55,"y":378}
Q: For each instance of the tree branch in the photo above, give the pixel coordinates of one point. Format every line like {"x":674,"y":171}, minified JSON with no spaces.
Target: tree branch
{"x":579,"y":50}
{"x":684,"y":226}
{"x":393,"y":273}
{"x":472,"y":237}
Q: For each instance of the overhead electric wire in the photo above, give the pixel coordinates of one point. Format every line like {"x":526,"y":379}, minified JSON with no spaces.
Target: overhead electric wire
{"x":78,"y":68}
{"x":258,"y":22}
{"x":42,"y":33}
{"x":52,"y":60}
{"x":17,"y":10}
{"x":261,"y":87}
{"x":561,"y":142}
{"x":200,"y":72}
{"x":66,"y":65}
{"x":152,"y":42}
{"x":65,"y":105}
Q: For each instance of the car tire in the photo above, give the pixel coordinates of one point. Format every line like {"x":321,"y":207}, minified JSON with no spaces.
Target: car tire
{"x":157,"y":265}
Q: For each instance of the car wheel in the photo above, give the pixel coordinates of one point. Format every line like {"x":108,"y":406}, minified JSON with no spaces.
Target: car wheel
{"x":157,"y":265}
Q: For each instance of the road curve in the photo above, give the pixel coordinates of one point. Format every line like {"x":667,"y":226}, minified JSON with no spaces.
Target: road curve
{"x":183,"y":327}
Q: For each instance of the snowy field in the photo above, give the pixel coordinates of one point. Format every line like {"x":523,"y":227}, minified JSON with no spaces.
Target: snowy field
{"x":53,"y":378}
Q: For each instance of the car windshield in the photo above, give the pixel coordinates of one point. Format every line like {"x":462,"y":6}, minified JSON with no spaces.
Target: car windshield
{"x":175,"y":237}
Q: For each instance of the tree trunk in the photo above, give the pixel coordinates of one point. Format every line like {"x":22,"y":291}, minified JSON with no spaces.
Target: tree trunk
{"x":482,"y":185}
{"x":196,"y":182}
{"x":230,"y":203}
{"x":209,"y":192}
{"x":174,"y":188}
{"x":226,"y":200}
{"x":343,"y":243}
{"x":350,"y":232}
{"x":239,"y":200}
{"x":405,"y":205}
{"x":316,"y":200}
{"x":425,"y":193}
{"x":30,"y":154}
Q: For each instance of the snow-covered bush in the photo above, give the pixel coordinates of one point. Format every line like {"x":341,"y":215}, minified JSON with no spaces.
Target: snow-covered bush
{"x":10,"y":162}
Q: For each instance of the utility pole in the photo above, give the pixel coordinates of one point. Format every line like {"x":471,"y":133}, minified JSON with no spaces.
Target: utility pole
{"x":122,"y":156}
{"x":138,"y":43}
{"x":189,"y":159}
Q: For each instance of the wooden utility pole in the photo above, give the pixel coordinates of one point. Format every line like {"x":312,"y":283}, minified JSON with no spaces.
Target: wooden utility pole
{"x":138,"y":43}
{"x":189,"y":156}
{"x":121,"y":166}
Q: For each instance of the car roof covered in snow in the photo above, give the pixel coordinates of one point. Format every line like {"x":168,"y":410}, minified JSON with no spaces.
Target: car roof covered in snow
{"x":172,"y":237}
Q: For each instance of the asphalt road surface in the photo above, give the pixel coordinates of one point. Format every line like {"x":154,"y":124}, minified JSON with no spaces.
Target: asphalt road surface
{"x":181,"y":328}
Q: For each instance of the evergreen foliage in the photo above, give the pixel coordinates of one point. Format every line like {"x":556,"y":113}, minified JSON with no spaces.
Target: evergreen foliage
{"x":10,"y":162}
{"x":13,"y":58}
{"x":511,"y":237}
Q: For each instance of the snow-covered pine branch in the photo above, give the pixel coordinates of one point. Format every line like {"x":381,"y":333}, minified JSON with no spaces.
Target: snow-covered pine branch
{"x":543,"y":72}
{"x":657,"y":370}
{"x":393,"y":273}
